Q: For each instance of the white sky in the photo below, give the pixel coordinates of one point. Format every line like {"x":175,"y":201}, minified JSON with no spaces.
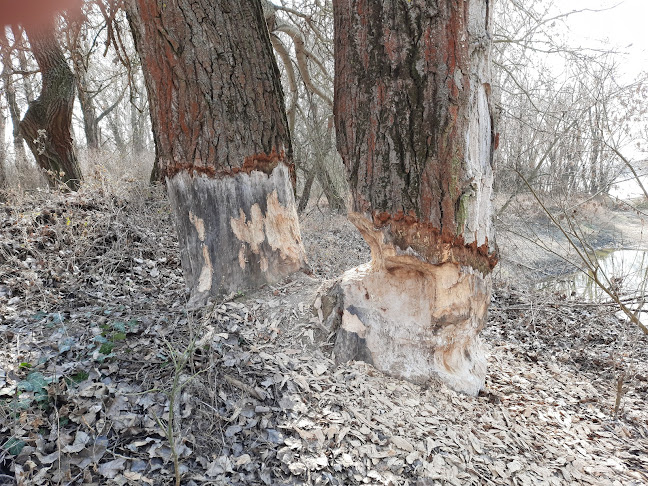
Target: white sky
{"x":622,"y":27}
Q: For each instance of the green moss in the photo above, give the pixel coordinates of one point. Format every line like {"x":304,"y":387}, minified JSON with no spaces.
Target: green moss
{"x":455,"y":171}
{"x":462,"y":213}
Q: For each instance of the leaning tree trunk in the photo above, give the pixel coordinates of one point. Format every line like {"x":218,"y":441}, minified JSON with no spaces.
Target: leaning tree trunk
{"x":222,"y":141}
{"x":415,"y":133}
{"x":47,"y":123}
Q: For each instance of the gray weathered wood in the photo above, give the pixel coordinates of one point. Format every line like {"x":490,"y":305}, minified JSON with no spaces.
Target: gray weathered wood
{"x":236,"y":232}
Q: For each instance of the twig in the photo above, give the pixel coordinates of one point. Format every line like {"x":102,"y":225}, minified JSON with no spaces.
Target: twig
{"x":630,"y":166}
{"x":242,"y":386}
{"x":619,"y":394}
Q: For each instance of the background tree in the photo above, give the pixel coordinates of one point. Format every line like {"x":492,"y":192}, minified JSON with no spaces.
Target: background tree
{"x":415,"y":132}
{"x":558,"y":102}
{"x":9,"y":86}
{"x":47,"y":122}
{"x":101,"y":86}
{"x":222,"y":141}
{"x":302,"y":38}
{"x":572,"y":126}
{"x":3,"y":147}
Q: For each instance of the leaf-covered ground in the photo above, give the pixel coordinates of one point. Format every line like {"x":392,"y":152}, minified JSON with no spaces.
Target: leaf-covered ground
{"x":106,"y":379}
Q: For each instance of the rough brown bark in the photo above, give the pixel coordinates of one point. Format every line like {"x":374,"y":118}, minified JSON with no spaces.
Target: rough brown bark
{"x":214,"y":90}
{"x":47,"y":122}
{"x":222,"y":141}
{"x":414,"y":130}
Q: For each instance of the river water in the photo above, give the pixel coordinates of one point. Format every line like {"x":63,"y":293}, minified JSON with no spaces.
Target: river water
{"x":625,"y":270}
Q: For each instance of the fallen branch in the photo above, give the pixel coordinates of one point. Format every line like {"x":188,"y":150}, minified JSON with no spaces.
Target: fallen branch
{"x":242,"y":386}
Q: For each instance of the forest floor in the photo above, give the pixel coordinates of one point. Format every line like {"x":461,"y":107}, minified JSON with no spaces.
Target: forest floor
{"x":105,"y":378}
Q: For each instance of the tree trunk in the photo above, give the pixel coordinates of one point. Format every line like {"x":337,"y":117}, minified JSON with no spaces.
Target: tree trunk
{"x":414,"y":130}
{"x":47,"y":123}
{"x":335,"y":201}
{"x":3,"y":148}
{"x":117,"y":135}
{"x":305,"y":195}
{"x":76,"y":35}
{"x":595,"y":179}
{"x":19,"y":38}
{"x":90,"y":123}
{"x":222,"y":141}
{"x":12,"y":104}
{"x":137,"y":129}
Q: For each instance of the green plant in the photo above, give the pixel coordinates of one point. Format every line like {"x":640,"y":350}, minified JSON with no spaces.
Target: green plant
{"x":111,"y":334}
{"x":32,"y":389}
{"x":77,"y":378}
{"x":171,"y":428}
{"x":13,"y":446}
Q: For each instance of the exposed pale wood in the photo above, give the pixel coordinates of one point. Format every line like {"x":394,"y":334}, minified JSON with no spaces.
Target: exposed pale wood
{"x":412,"y":319}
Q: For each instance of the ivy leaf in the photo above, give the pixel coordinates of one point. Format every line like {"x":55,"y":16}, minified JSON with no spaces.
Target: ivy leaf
{"x":13,"y":446}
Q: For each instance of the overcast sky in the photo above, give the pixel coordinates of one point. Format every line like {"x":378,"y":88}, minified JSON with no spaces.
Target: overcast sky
{"x":619,"y":27}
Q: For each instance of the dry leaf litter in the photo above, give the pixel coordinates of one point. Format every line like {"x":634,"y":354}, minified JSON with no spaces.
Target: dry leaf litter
{"x":106,"y":379}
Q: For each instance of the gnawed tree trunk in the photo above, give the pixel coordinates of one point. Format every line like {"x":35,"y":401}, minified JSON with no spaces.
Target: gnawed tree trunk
{"x":415,"y":133}
{"x":47,"y":123}
{"x":222,"y":141}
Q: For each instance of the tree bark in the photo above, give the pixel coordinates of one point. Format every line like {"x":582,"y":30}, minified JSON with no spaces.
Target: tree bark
{"x":414,"y":129}
{"x":335,"y":201}
{"x":305,"y":195}
{"x":137,"y":122}
{"x":19,"y":40}
{"x":90,"y":123}
{"x":222,"y":141}
{"x":46,"y":126}
{"x":3,"y":148}
{"x":12,"y":104}
{"x":117,"y":135}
